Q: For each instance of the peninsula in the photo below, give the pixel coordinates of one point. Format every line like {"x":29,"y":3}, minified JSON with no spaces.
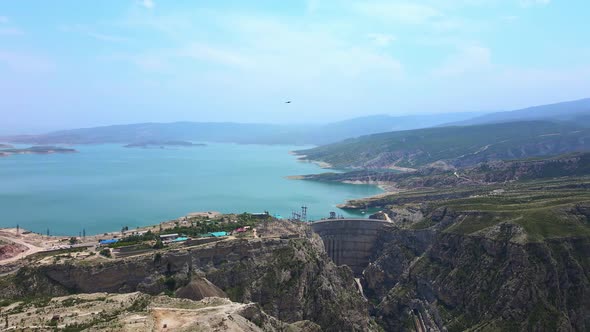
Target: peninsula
{"x":34,"y":150}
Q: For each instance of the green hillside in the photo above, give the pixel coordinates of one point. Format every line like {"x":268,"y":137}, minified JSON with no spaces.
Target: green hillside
{"x":456,"y":145}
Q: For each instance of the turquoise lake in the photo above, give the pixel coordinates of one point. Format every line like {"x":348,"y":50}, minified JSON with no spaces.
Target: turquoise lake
{"x":105,"y":187}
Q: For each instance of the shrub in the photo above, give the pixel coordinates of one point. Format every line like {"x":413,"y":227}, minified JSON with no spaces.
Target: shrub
{"x":159,"y":244}
{"x":106,"y":252}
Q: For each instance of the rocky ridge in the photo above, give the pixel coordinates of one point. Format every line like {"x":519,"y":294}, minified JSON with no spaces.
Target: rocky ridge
{"x":290,"y":279}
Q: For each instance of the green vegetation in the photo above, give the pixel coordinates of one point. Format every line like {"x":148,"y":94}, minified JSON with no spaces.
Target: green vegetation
{"x":192,"y":227}
{"x":41,"y":255}
{"x":159,"y":244}
{"x":544,"y":209}
{"x":106,"y":253}
{"x":198,"y":227}
{"x":72,"y":301}
{"x":134,"y":240}
{"x":458,"y":145}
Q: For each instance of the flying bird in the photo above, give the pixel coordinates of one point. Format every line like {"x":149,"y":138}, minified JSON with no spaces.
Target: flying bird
{"x":288,"y":102}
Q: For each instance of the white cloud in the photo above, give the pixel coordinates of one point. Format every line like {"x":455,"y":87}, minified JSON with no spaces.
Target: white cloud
{"x":531,"y":3}
{"x":301,"y":50}
{"x":107,"y":38}
{"x":381,"y":39}
{"x":270,"y":49}
{"x":25,"y":63}
{"x":149,"y":4}
{"x":403,"y":12}
{"x":88,"y":31}
{"x":509,"y":18}
{"x":10,"y":32}
{"x":468,"y":59}
{"x":7,"y":30}
{"x":213,"y":54}
{"x":312,"y":5}
{"x":150,"y":62}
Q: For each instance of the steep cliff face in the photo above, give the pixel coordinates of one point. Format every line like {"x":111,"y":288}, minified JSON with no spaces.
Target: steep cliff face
{"x":291,"y":279}
{"x":395,"y":250}
{"x":494,"y":281}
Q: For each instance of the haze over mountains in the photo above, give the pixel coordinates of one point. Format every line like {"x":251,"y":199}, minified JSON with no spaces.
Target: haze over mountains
{"x":577,"y":112}
{"x":538,"y":131}
{"x":249,"y":133}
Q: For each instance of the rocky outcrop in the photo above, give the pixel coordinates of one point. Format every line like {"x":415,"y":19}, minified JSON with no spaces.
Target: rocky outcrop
{"x":141,"y":312}
{"x":395,"y":250}
{"x":291,"y":279}
{"x":448,"y":281}
{"x":10,"y":250}
{"x":440,"y":175}
{"x":198,"y":289}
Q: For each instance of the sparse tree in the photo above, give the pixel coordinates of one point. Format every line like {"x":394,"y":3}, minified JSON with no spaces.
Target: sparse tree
{"x":159,"y":244}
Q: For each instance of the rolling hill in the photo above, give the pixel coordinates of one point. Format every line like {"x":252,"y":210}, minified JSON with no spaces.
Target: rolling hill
{"x":455,"y":145}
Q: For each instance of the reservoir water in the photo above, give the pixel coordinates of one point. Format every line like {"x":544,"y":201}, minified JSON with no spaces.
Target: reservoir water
{"x":105,"y":187}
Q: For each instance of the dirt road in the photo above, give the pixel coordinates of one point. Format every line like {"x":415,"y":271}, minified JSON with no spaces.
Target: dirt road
{"x":8,"y":238}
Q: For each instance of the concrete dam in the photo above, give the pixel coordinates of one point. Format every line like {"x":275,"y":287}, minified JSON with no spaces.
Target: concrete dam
{"x":350,"y":241}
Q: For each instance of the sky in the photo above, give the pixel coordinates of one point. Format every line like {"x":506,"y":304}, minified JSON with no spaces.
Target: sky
{"x":71,"y":63}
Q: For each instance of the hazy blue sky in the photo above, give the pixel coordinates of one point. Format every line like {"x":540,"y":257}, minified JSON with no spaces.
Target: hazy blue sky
{"x":83,"y":63}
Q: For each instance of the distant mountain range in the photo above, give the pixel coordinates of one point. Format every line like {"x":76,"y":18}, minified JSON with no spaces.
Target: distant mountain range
{"x":577,"y":111}
{"x":247,"y":133}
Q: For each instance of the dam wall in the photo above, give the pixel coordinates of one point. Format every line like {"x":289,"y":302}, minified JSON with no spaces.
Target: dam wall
{"x":349,"y":241}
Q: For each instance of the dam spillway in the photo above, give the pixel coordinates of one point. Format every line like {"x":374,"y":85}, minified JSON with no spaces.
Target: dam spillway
{"x":349,"y":241}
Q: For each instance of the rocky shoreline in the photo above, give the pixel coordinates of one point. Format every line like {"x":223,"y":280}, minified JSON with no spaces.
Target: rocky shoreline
{"x":303,"y":158}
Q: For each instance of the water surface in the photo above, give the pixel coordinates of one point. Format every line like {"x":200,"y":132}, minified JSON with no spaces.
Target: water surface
{"x":105,"y":187}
